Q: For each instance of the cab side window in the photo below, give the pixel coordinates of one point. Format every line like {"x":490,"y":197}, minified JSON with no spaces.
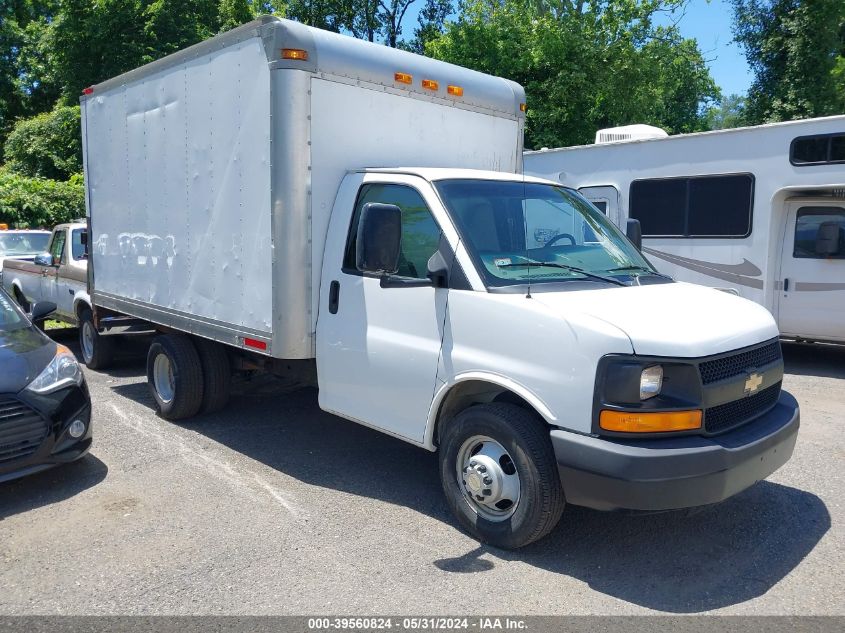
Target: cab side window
{"x":420,"y":233}
{"x":815,"y":222}
{"x":77,"y":248}
{"x":57,"y":247}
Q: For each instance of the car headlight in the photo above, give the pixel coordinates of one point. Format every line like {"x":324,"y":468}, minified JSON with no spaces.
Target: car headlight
{"x":61,"y":372}
{"x":651,"y":381}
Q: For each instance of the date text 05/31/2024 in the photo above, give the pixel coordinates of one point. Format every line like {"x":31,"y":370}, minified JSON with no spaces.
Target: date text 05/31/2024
{"x":416,"y":623}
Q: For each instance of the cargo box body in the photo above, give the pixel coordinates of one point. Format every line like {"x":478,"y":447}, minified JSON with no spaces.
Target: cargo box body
{"x":211,"y":174}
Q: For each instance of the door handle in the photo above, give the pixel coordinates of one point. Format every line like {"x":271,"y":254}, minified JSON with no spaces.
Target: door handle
{"x":334,"y":296}
{"x":786,"y":285}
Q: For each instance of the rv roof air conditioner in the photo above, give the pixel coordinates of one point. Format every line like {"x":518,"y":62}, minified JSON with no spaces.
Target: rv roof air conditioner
{"x":629,"y":133}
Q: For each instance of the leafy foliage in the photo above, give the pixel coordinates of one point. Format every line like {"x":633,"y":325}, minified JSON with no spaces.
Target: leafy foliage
{"x":795,"y":49}
{"x":47,"y":145}
{"x":730,"y":113}
{"x":34,"y":202}
{"x":584,"y":65}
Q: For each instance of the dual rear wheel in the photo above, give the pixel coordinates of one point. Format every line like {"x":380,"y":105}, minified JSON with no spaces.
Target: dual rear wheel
{"x":187,"y":376}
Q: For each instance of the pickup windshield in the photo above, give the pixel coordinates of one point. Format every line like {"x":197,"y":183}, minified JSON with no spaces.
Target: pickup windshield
{"x":519,"y":231}
{"x":19,"y":244}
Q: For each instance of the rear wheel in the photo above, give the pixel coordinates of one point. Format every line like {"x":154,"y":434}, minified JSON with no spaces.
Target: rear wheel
{"x":217,"y":375}
{"x":499,"y":473}
{"x":97,"y":350}
{"x":174,"y":376}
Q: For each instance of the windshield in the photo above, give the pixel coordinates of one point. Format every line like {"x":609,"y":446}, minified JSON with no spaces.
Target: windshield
{"x":10,"y":316}
{"x":519,"y":231}
{"x":16,"y":244}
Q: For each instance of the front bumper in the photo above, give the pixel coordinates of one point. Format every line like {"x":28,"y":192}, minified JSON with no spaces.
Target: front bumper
{"x":678,"y":472}
{"x":58,"y":409}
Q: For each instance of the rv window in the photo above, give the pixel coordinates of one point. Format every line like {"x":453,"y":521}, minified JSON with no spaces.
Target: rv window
{"x":601,"y":205}
{"x":698,"y":206}
{"x":807,"y":225}
{"x":818,"y":150}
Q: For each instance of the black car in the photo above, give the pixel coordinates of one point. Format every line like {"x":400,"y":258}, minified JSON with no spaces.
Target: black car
{"x":45,"y":409}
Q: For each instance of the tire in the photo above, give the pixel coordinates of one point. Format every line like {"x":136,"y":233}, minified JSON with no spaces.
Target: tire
{"x":529,"y":456}
{"x":174,"y":376}
{"x":217,"y":375}
{"x":97,"y":350}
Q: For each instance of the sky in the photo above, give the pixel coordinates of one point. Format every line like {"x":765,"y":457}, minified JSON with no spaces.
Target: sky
{"x":710,"y":24}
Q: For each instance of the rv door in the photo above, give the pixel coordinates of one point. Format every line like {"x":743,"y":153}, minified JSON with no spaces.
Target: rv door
{"x":606,"y":199}
{"x":811,"y":301}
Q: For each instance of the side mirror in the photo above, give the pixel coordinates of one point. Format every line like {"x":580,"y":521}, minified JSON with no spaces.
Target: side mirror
{"x":41,"y":310}
{"x":379,"y":239}
{"x":634,"y":231}
{"x":43,"y":259}
{"x":827,"y":239}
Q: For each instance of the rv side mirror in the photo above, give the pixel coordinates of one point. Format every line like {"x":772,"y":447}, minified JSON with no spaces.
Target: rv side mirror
{"x":827,"y":239}
{"x":634,"y":231}
{"x":43,"y":259}
{"x":379,"y":238}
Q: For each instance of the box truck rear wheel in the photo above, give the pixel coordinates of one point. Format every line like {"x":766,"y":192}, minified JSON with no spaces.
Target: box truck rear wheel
{"x":499,"y":473}
{"x":174,"y":375}
{"x":97,"y":350}
{"x":217,"y":375}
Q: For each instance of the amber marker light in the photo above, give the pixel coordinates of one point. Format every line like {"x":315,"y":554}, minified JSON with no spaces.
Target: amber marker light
{"x":295,"y":53}
{"x":430,"y":84}
{"x":403,"y":78}
{"x":523,"y":107}
{"x":455,"y":91}
{"x":650,"y":422}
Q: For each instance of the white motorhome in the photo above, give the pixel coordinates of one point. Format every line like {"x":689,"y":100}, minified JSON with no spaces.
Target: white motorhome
{"x":757,"y":211}
{"x":250,"y":198}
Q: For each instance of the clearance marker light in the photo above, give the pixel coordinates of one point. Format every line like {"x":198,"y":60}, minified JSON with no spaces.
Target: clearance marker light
{"x":403,"y":78}
{"x":430,"y":84}
{"x":89,"y":90}
{"x":295,"y":53}
{"x":455,"y":91}
{"x":255,"y":343}
{"x":523,"y":107}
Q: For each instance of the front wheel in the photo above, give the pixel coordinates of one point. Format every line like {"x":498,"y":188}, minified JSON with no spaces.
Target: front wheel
{"x":499,"y":473}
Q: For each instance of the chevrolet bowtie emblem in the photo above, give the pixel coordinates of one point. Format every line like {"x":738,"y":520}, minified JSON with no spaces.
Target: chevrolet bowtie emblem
{"x":753,"y":382}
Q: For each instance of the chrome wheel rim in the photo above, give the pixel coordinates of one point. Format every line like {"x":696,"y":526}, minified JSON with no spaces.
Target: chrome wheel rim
{"x":163,"y":379}
{"x":487,"y":476}
{"x":87,"y":341}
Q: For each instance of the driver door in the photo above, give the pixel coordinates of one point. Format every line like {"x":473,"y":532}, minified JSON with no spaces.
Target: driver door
{"x":378,"y":348}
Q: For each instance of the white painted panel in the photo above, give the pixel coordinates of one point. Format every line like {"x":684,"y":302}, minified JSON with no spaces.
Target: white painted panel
{"x":179,"y":181}
{"x":380,"y":129}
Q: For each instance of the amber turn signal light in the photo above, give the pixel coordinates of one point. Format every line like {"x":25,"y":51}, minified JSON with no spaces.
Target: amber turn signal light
{"x":650,"y":422}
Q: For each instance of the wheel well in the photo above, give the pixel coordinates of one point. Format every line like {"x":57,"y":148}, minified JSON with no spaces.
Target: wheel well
{"x":465,"y":394}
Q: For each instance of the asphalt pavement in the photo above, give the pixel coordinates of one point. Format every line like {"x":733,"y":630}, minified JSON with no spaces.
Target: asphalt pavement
{"x":274,"y":507}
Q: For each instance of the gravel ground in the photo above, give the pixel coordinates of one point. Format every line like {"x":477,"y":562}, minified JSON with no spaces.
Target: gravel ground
{"x":274,"y":507}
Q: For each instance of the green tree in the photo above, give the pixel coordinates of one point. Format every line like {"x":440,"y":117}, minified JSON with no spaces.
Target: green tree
{"x":431,"y":23}
{"x":793,"y":48}
{"x":47,"y":145}
{"x":233,"y":13}
{"x":585,"y":65}
{"x":171,"y":25}
{"x":729,"y":113}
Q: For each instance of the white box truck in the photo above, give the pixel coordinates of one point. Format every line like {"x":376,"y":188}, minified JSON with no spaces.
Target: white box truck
{"x":756,"y":211}
{"x":251,"y":199}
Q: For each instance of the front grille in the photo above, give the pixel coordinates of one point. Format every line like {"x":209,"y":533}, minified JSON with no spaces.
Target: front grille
{"x":22,"y":429}
{"x":731,"y":414}
{"x":729,"y":366}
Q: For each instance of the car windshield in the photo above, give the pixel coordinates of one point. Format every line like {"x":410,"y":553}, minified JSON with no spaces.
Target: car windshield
{"x":10,"y":316}
{"x":543,"y":233}
{"x":16,"y":244}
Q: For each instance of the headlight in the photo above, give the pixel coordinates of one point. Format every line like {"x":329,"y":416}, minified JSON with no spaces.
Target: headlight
{"x":651,"y":380}
{"x":62,"y":371}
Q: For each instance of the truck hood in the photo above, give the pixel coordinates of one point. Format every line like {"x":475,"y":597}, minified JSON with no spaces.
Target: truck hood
{"x":674,"y":319}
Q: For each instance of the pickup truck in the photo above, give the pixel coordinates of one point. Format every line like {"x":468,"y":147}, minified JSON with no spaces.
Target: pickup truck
{"x":253,"y":199}
{"x":58,"y":275}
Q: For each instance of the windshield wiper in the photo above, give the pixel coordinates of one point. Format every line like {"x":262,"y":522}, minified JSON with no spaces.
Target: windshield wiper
{"x":642,"y":268}
{"x":575,"y":269}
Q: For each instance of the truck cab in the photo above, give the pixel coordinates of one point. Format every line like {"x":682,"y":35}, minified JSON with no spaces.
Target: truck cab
{"x":506,"y":323}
